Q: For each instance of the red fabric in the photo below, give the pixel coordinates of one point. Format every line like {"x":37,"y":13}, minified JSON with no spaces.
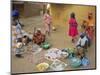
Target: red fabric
{"x":89,"y":31}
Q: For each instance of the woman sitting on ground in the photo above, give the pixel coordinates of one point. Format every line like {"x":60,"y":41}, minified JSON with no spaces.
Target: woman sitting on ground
{"x":38,"y":37}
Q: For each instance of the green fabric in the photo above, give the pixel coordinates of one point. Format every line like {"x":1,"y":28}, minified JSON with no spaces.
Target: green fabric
{"x":45,"y":45}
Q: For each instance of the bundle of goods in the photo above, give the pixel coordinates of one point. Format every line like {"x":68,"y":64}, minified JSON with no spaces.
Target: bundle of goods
{"x":55,"y":53}
{"x":42,"y":66}
{"x":79,"y":59}
{"x":75,"y":62}
{"x":65,"y":52}
{"x":70,"y":51}
{"x":58,"y":65}
{"x":85,"y":61}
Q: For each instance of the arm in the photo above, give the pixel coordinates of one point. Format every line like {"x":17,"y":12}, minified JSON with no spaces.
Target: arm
{"x":78,"y":43}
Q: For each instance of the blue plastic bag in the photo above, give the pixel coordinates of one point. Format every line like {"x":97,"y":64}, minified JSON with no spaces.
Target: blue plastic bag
{"x":85,"y":61}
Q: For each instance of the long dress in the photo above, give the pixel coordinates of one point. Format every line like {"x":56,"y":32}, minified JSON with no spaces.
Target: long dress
{"x":47,"y":22}
{"x":73,"y":27}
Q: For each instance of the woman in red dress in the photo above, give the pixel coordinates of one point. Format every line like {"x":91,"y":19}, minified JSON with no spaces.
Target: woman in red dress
{"x":73,"y":32}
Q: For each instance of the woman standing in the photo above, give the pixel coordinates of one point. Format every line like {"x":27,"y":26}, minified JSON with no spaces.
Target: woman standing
{"x":47,"y":22}
{"x":73,"y":32}
{"x":90,"y":26}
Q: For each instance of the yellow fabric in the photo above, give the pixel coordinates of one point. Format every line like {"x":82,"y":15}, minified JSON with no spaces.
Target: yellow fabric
{"x":90,"y":22}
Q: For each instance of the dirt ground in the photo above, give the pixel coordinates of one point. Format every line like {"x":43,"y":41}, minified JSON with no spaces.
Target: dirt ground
{"x":59,"y":39}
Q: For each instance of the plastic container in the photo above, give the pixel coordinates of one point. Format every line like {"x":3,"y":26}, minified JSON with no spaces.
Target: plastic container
{"x":46,"y":45}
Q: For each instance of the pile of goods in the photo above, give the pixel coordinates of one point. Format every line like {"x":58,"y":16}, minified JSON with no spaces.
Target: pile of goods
{"x":58,"y":65}
{"x":42,"y":66}
{"x":75,"y":62}
{"x":55,"y":53}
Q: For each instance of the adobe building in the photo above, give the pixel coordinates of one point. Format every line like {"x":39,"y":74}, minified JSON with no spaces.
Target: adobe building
{"x":60,"y":12}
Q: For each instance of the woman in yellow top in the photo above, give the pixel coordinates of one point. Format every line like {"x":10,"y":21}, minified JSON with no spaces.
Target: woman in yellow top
{"x":90,"y":20}
{"x":90,"y":25}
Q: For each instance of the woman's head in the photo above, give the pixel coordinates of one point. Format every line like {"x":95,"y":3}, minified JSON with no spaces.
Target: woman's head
{"x":82,"y":35}
{"x":72,"y":15}
{"x":90,"y":15}
{"x":47,"y":11}
{"x":84,"y":22}
{"x":25,"y":36}
{"x":38,"y":32}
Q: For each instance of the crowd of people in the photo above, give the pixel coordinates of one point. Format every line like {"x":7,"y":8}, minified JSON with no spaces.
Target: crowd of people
{"x":19,"y":39}
{"x":86,"y":35}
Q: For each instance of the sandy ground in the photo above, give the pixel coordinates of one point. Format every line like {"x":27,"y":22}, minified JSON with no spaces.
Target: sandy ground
{"x":59,"y":39}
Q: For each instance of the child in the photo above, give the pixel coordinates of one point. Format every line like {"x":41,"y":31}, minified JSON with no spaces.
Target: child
{"x":15,"y":16}
{"x":47,"y":22}
{"x":73,"y":32}
{"x":83,"y":41}
{"x":19,"y":48}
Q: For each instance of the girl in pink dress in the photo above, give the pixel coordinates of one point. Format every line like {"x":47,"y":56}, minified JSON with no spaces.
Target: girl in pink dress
{"x":47,"y":22}
{"x":73,"y":32}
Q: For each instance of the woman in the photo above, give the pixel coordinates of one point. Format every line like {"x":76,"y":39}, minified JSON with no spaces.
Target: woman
{"x":38,"y":37}
{"x":90,"y":26}
{"x":47,"y":22}
{"x":73,"y":32}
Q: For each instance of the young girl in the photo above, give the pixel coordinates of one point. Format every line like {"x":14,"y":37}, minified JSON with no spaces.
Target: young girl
{"x":73,"y":32}
{"x":47,"y":22}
